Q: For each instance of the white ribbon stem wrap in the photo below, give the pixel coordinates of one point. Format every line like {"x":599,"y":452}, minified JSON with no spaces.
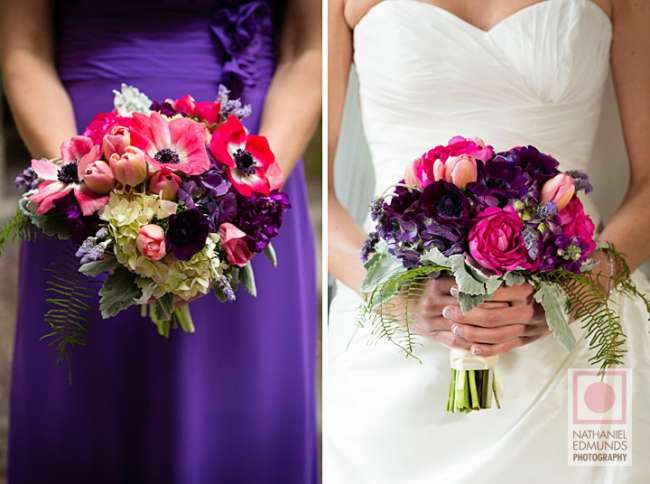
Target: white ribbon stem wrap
{"x":463,"y":360}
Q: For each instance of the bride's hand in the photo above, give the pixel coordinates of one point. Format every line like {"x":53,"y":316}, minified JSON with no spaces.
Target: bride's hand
{"x":429,"y":320}
{"x":489,"y":330}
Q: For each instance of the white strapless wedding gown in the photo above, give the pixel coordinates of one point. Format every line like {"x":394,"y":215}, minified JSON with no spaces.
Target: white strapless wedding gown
{"x":425,"y":75}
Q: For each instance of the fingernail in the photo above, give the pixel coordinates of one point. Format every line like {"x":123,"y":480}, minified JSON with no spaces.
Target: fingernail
{"x":453,"y":291}
{"x":448,"y":312}
{"x":457,"y":330}
{"x":476,"y":350}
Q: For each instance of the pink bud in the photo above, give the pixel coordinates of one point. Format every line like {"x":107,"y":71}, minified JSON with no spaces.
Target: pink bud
{"x":184,"y":105}
{"x":116,"y":141}
{"x":559,"y":190}
{"x":151,"y":242}
{"x":208,"y":111}
{"x":165,"y":183}
{"x":410,"y":177}
{"x":130,"y":168}
{"x":461,"y":170}
{"x":233,"y":241}
{"x":438,"y":170}
{"x":98,"y":177}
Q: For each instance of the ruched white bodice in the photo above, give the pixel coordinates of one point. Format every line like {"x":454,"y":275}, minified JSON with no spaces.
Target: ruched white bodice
{"x":425,"y":75}
{"x":537,"y":77}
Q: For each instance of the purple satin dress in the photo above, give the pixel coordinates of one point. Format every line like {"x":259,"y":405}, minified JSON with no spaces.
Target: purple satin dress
{"x":232,"y":403}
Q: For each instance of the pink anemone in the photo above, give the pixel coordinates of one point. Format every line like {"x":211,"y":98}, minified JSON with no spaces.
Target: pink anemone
{"x":249,"y":161}
{"x":59,"y":179}
{"x":178,"y":144}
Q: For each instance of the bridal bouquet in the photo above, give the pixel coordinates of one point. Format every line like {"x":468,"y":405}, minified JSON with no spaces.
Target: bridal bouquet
{"x":168,"y":200}
{"x":491,"y":219}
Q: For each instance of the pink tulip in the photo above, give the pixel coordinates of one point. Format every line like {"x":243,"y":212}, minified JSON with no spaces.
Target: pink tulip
{"x":460,"y":170}
{"x":98,"y":177}
{"x":165,"y":183}
{"x":130,"y":168}
{"x":410,"y":177}
{"x":151,"y":242}
{"x":559,"y":190}
{"x":116,"y":141}
{"x":233,"y":241}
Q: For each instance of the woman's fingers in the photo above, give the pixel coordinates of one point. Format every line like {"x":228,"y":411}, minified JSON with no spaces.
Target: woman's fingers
{"x":450,"y":340}
{"x":489,"y":318}
{"x":428,"y":326}
{"x":495,"y":349}
{"x":513,"y":294}
{"x":477,"y":334}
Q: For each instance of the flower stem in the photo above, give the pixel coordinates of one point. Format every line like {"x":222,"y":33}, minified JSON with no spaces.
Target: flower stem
{"x":183,"y":317}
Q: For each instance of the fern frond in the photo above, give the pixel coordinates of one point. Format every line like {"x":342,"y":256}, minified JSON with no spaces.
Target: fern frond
{"x":391,"y":306}
{"x":17,"y":228}
{"x":70,"y":293}
{"x":590,"y":302}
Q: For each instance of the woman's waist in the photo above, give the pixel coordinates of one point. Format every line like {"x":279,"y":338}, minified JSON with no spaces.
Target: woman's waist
{"x":235,"y":40}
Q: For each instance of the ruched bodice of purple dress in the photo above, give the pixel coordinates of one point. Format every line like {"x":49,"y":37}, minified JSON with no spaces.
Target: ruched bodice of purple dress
{"x":232,"y":403}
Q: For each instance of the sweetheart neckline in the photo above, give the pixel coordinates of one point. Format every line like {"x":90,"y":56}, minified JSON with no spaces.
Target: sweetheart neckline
{"x":470,"y":26}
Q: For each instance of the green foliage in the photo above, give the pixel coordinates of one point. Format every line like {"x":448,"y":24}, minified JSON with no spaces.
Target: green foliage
{"x":69,"y":295}
{"x":17,"y":228}
{"x":118,"y":292}
{"x":269,"y":252}
{"x":553,"y":299}
{"x":95,"y":268}
{"x":390,"y":306}
{"x":589,"y":302}
{"x":247,"y":277}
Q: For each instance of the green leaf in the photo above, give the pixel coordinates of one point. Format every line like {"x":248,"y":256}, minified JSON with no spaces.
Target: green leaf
{"x":164,"y":307}
{"x":92,"y":269}
{"x":468,"y":302}
{"x":466,"y":280}
{"x":553,"y":299}
{"x":379,"y":269}
{"x":435,"y":257}
{"x":248,"y":279}
{"x":118,"y":292}
{"x":514,"y":279}
{"x":270,"y":254}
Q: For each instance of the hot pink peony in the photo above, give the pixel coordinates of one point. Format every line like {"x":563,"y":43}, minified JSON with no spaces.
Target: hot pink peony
{"x":576,"y":223}
{"x":151,"y":242}
{"x":178,"y":143}
{"x":248,"y":159}
{"x":495,"y":241}
{"x":165,"y":183}
{"x":233,"y":241}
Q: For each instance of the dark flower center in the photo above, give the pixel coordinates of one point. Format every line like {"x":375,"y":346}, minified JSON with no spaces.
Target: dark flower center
{"x":245,"y":162}
{"x":68,"y":173}
{"x":167,"y":155}
{"x":449,"y":206}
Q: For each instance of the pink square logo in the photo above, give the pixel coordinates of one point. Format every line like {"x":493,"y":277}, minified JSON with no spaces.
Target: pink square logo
{"x":600,"y":400}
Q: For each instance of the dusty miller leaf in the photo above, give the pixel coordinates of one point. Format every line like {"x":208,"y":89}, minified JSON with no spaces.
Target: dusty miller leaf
{"x":553,"y":299}
{"x":118,"y":293}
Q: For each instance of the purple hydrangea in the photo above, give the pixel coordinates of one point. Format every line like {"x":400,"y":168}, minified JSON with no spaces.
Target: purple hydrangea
{"x":260,"y":217}
{"x":537,"y":165}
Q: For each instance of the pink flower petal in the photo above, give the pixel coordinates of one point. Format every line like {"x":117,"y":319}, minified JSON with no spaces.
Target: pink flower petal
{"x":160,"y":131}
{"x":45,"y":169}
{"x":275,"y":176}
{"x":74,"y":148}
{"x":258,"y":146}
{"x":47,"y":193}
{"x":87,"y":159}
{"x":88,"y":201}
{"x":247,"y":185}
